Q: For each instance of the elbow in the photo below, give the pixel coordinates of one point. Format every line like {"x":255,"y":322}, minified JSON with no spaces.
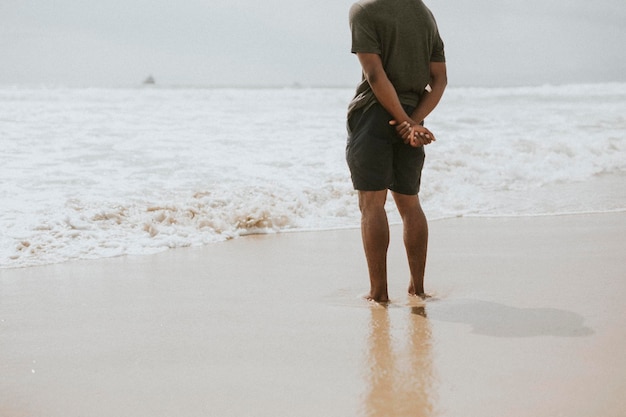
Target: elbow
{"x":374,"y":75}
{"x":440,"y":80}
{"x":371,"y":77}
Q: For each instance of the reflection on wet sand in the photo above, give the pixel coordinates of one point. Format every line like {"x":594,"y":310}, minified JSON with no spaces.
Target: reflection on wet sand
{"x":399,"y":373}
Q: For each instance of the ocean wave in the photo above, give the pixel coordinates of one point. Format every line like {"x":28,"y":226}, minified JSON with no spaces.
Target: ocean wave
{"x":90,"y":173}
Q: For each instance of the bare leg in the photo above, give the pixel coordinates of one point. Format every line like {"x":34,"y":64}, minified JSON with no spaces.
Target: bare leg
{"x":375,"y":235}
{"x":415,"y":239}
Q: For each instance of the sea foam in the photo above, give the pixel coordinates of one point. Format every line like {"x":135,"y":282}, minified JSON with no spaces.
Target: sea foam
{"x":90,"y":173}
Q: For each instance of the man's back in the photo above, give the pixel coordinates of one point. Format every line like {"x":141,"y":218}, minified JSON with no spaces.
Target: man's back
{"x":404,"y":33}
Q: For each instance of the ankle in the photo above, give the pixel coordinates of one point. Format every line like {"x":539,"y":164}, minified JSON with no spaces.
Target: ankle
{"x":379,"y":295}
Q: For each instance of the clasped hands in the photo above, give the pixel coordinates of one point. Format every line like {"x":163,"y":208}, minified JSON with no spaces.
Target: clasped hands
{"x":413,"y":134}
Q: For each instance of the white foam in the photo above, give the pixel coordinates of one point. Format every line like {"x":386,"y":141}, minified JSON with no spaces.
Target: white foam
{"x":89,"y":173}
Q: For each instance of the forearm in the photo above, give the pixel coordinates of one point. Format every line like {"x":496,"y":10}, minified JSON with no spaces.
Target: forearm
{"x":431,"y":99}
{"x":386,"y":95}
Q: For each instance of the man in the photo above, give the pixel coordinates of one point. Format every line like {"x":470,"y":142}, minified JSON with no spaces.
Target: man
{"x":404,"y":76}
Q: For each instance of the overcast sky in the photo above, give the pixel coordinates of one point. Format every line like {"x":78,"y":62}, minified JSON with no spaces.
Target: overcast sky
{"x":282,"y":42}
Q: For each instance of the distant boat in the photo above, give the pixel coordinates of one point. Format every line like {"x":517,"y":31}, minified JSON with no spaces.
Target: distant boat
{"x":149,"y":80}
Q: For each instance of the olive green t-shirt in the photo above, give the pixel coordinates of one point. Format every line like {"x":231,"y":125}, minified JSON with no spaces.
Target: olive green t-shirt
{"x":405,"y":35}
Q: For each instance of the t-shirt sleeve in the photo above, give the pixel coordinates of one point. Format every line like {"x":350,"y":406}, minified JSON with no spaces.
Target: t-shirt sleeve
{"x":364,"y":37}
{"x":438,"y":54}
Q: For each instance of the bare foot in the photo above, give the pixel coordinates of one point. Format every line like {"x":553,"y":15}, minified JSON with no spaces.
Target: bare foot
{"x":383,"y":299}
{"x":421,"y":295}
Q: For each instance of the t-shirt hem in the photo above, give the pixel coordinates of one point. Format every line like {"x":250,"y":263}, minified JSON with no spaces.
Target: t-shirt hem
{"x":366,"y":51}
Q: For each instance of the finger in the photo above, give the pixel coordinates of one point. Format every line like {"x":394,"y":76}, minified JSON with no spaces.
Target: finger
{"x":428,"y":135}
{"x":421,"y":138}
{"x":413,"y":139}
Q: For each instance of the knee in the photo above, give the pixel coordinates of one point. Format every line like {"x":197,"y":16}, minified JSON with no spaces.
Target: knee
{"x":372,"y":201}
{"x":408,"y":205}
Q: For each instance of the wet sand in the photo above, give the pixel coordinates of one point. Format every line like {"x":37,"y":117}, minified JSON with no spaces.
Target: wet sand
{"x":528,"y":319}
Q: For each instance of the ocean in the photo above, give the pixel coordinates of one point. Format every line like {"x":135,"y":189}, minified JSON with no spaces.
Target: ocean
{"x":89,"y":173}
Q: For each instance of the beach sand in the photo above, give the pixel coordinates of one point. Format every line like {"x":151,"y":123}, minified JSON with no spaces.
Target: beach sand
{"x":528,"y":319}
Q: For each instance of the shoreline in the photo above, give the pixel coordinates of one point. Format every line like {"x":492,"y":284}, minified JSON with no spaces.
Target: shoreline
{"x":273,"y":325}
{"x":392,"y":224}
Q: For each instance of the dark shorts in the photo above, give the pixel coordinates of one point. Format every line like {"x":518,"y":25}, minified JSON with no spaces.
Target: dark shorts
{"x":378,"y":158}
